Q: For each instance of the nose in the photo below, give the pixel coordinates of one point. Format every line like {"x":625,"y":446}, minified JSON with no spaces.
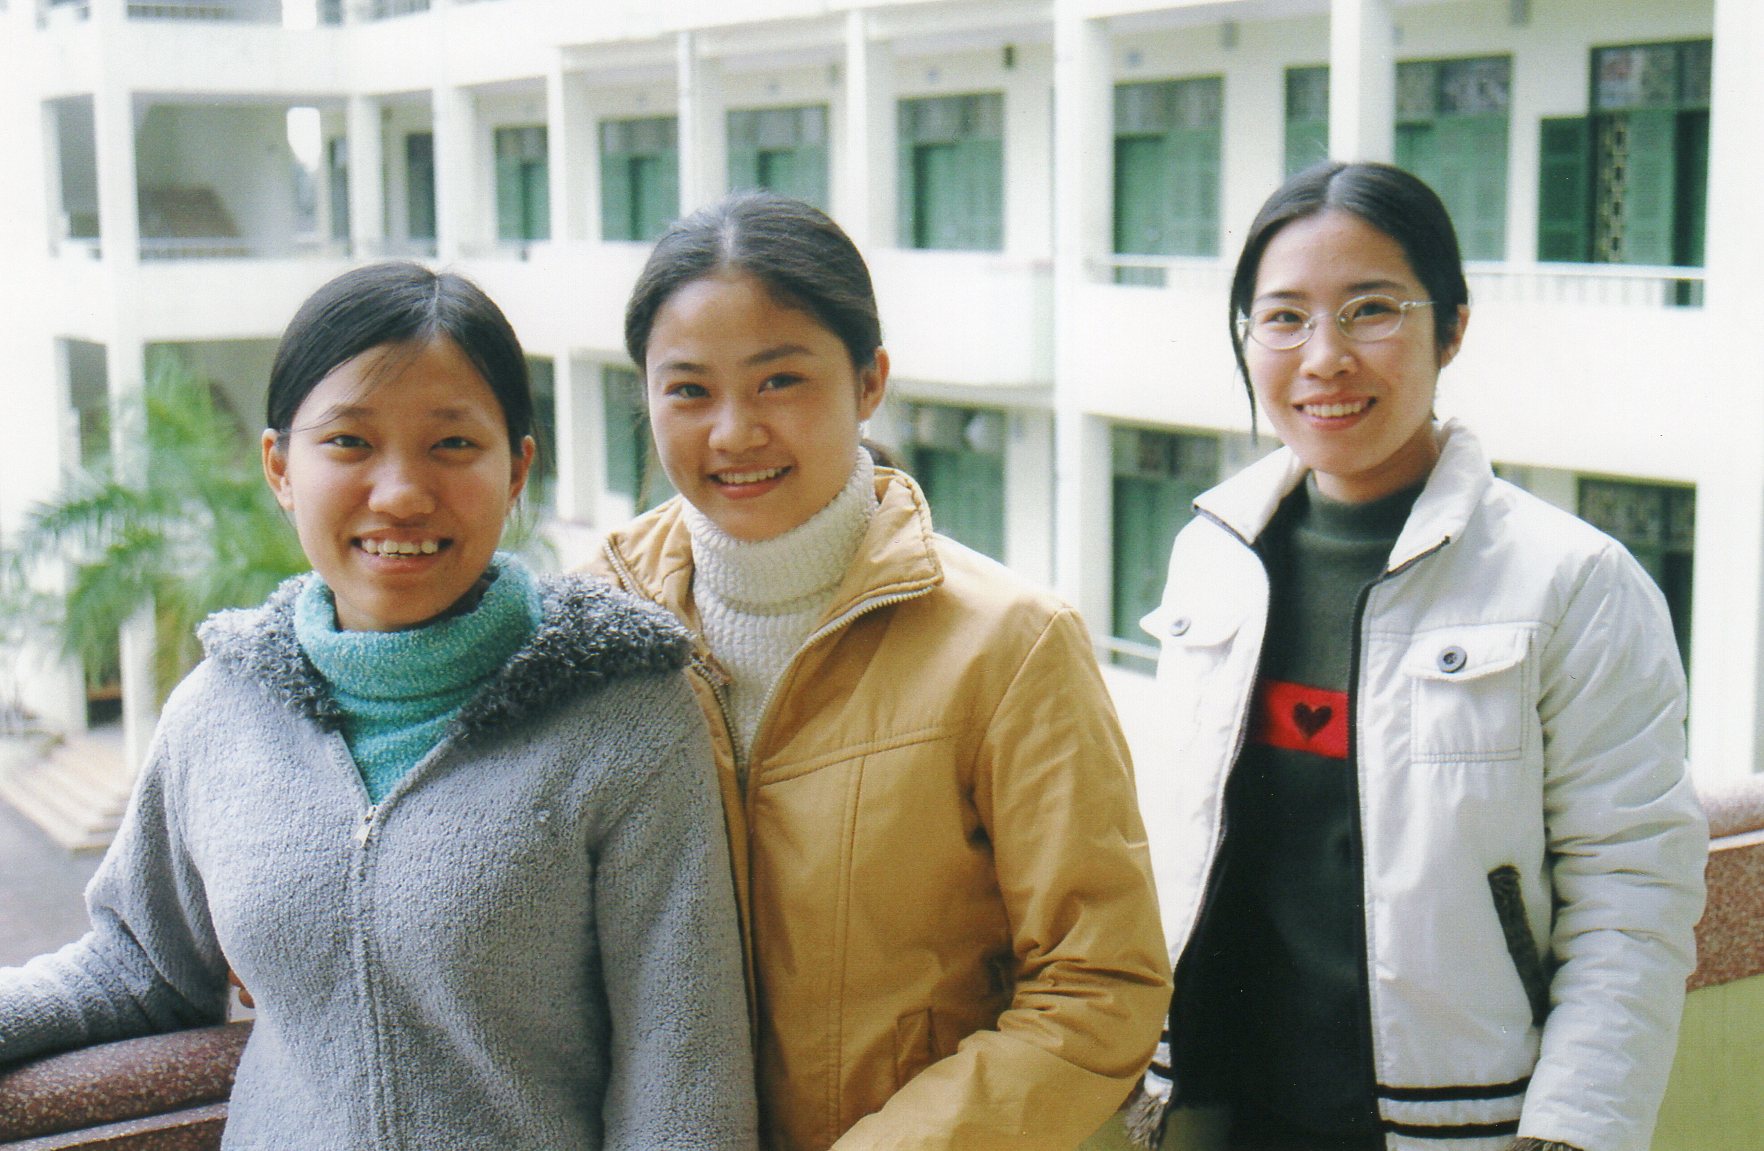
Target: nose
{"x":402,"y":489}
{"x":1328,"y":352}
{"x":736,"y":428}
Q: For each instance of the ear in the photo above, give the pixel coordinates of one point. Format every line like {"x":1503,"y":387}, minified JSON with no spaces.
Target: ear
{"x":275,"y":469}
{"x":1450,"y":351}
{"x":872,"y":384}
{"x":521,"y":466}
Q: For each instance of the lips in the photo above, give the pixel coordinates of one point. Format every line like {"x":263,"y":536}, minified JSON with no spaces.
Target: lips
{"x":1335,"y":410}
{"x":384,"y":547}
{"x":749,"y":476}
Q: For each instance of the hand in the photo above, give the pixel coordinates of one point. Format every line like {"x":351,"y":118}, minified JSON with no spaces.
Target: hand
{"x":244,"y":995}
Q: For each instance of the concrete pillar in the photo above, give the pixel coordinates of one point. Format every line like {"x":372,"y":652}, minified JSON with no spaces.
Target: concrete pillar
{"x":1029,"y":99}
{"x":863,"y":182}
{"x":1029,"y":494}
{"x":704,"y":126}
{"x":1727,"y":650}
{"x":1362,"y":80}
{"x":367,"y":176}
{"x":456,"y":200}
{"x":570,"y":144}
{"x":581,"y":443}
{"x":1082,"y":174}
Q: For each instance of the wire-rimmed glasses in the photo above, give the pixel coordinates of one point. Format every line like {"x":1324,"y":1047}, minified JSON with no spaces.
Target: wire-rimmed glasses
{"x":1363,"y":319}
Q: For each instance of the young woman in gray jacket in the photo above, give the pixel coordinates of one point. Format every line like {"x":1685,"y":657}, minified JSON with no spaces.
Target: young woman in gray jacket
{"x":453,"y":824}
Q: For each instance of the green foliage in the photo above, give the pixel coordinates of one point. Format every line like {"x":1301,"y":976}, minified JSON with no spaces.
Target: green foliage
{"x":188,"y":527}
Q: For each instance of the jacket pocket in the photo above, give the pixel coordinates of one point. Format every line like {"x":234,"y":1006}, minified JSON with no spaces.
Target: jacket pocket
{"x":1191,"y":651}
{"x":1509,"y":905}
{"x":915,"y":1045}
{"x":1471,"y":690}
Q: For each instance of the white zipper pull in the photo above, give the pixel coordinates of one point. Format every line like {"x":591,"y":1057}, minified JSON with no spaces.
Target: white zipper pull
{"x":367,"y":826}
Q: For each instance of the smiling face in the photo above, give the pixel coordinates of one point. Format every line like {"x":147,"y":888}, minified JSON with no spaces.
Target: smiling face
{"x":1360,"y":415}
{"x":399,"y":474}
{"x":755,"y":405}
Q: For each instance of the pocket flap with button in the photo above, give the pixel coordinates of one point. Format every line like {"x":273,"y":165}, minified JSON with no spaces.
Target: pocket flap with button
{"x":1171,"y":623}
{"x":1467,"y":652}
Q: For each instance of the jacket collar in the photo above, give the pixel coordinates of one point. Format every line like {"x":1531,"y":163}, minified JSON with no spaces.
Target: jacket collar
{"x":896,"y":559}
{"x":588,"y":635}
{"x":1246,"y":503}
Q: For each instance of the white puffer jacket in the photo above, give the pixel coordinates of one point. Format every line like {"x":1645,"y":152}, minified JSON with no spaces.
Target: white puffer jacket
{"x":1518,"y":714}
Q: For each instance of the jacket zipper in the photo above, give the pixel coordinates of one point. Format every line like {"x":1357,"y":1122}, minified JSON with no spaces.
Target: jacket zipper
{"x":1210,"y":890}
{"x":1369,"y":1034}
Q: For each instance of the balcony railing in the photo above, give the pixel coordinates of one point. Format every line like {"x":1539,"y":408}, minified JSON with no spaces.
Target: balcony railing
{"x":1611,"y":285}
{"x":227,"y":11}
{"x":1608,"y":285}
{"x":238,"y":248}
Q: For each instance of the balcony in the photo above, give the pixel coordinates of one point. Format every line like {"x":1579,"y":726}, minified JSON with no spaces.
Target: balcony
{"x":979,"y":319}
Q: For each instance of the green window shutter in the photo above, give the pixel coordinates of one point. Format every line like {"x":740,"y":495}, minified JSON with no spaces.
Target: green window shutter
{"x":984,"y":184}
{"x":743,"y":150}
{"x":509,"y":196}
{"x":1416,"y":151}
{"x":1564,"y":193}
{"x":1470,"y":167}
{"x":1141,"y":189}
{"x":617,"y":216}
{"x":1148,"y":512}
{"x":625,"y":434}
{"x":1691,"y":222}
{"x":1649,"y":203}
{"x":1194,"y":155}
{"x":337,"y":152}
{"x":538,"y":200}
{"x":655,"y":193}
{"x":1307,"y":143}
{"x":966,"y":492}
{"x":811,"y":183}
{"x":419,"y":185}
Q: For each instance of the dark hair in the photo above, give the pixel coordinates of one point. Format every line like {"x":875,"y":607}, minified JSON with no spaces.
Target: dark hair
{"x":803,"y":258}
{"x":399,"y":303}
{"x":1396,"y":202}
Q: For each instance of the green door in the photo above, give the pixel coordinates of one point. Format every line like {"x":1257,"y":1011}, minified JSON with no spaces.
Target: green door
{"x":1148,"y":512}
{"x":966,"y":492}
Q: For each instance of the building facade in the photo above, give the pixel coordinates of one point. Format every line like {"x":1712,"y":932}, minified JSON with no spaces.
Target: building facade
{"x":1050,"y":193}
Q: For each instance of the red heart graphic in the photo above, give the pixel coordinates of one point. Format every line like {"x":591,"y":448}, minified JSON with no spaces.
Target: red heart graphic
{"x":1311,"y":720}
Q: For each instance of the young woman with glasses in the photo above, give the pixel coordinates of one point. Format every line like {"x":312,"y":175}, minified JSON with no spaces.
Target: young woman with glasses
{"x":1434,"y":862}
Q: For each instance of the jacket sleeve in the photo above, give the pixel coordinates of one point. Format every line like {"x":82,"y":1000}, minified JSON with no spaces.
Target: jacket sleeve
{"x":150,"y":962}
{"x":681,"y":1072}
{"x":1627,"y":842}
{"x":1054,"y":789}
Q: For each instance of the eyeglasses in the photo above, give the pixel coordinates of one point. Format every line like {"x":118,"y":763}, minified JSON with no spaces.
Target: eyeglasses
{"x":1363,"y":319}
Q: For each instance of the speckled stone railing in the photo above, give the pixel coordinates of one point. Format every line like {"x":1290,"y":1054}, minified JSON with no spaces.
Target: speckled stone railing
{"x":161,"y":1093}
{"x":1730,"y":939}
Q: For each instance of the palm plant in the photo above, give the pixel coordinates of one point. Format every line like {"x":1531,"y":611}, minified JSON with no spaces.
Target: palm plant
{"x":190,"y":530}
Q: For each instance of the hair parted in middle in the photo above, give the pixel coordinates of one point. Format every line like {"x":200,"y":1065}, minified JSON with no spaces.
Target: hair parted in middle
{"x":804,"y":259}
{"x":399,"y":304}
{"x":1396,"y":202}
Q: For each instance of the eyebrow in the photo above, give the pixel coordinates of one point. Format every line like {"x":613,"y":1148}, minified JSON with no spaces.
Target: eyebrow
{"x":1358,"y":288}
{"x":766,"y":356}
{"x":365,"y":411}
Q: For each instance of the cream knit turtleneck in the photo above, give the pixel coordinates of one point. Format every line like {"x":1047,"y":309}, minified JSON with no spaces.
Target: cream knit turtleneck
{"x":759,"y":600}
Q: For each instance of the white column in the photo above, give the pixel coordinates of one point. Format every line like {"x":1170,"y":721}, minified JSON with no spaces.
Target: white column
{"x":704,"y":131}
{"x":1362,"y":80}
{"x":367,"y":177}
{"x":569,"y":143}
{"x":1727,"y":650}
{"x":1082,"y":190}
{"x":864,"y":182}
{"x":1029,"y":100}
{"x":581,"y":442}
{"x":456,"y":199}
{"x":1029,"y":494}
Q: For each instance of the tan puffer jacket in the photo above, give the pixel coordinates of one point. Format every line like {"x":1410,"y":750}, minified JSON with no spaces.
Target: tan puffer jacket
{"x":952,"y":934}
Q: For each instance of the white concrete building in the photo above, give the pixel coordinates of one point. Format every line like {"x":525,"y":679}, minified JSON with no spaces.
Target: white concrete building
{"x":1050,"y":193}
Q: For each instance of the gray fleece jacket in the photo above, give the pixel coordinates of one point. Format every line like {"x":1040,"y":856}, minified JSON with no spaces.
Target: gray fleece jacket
{"x":529,"y":943}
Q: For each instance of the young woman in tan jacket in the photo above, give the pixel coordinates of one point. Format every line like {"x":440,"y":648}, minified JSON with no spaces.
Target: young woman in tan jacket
{"x":951,"y":930}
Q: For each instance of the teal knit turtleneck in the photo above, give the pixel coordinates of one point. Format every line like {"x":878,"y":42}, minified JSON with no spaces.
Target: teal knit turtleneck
{"x":399,"y":689}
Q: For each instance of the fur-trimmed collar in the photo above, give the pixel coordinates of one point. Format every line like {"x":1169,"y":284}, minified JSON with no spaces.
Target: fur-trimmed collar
{"x":590,"y":634}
